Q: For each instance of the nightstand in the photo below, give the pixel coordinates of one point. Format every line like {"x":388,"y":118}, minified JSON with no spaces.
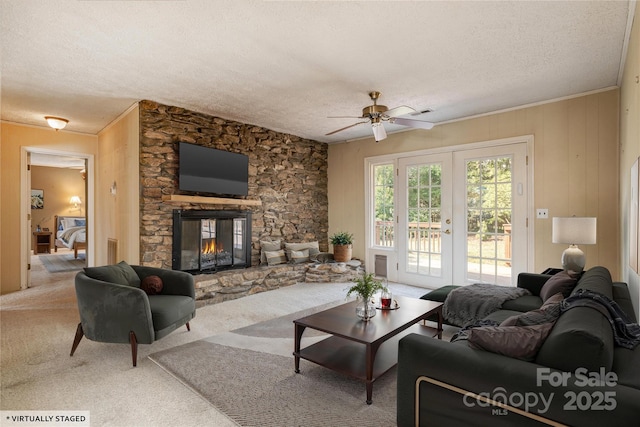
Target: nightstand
{"x":41,"y":242}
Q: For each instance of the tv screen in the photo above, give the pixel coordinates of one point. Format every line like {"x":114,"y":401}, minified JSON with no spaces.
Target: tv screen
{"x":208,"y":170}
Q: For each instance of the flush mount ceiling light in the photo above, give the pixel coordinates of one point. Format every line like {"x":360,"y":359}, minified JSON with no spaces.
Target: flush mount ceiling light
{"x":56,"y":122}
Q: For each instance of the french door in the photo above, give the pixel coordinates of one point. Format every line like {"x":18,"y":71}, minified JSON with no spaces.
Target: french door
{"x":463,"y":216}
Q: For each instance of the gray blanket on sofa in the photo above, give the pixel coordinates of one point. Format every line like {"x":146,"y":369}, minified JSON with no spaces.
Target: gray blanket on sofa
{"x":625,"y":333}
{"x":468,"y":304}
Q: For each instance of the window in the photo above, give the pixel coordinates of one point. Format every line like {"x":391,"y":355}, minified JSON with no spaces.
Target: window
{"x":489,"y":212}
{"x":383,"y":205}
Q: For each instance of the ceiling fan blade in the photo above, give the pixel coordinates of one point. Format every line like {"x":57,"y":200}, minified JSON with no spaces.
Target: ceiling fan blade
{"x":411,"y":123}
{"x":398,"y":111}
{"x":345,"y":117}
{"x":344,"y":128}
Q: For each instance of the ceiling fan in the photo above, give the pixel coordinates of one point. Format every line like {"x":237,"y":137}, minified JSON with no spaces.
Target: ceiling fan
{"x":377,"y":114}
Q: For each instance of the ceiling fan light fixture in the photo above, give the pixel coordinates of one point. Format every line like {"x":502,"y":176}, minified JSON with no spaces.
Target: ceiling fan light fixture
{"x":379,"y":133}
{"x":56,"y":122}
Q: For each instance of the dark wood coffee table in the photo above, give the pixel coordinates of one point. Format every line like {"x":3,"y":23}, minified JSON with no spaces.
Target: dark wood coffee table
{"x":364,"y":350}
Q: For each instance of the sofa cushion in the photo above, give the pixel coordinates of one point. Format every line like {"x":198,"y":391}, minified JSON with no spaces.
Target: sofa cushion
{"x":626,"y":364}
{"x":121,"y":274}
{"x":561,"y":282}
{"x":151,"y":285}
{"x":596,"y":279}
{"x":268,"y":245}
{"x":520,"y":342}
{"x":523,"y":303}
{"x":168,"y":309}
{"x":581,"y":338}
{"x":501,"y":315}
{"x":439,"y":294}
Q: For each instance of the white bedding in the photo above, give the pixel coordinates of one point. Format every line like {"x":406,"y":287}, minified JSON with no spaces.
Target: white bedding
{"x":70,"y":235}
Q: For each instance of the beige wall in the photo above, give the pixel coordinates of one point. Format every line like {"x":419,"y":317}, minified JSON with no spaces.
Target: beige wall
{"x":575,"y":156}
{"x":629,"y":148}
{"x":58,"y":184}
{"x":120,"y":213}
{"x":12,"y":138}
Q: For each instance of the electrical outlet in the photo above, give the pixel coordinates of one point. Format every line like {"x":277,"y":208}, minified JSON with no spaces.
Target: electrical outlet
{"x":542,"y":213}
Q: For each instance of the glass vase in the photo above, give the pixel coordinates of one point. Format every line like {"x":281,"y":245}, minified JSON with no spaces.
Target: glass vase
{"x":365,"y":310}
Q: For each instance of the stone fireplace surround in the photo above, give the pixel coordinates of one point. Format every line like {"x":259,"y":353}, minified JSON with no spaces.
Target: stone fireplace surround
{"x":287,"y":180}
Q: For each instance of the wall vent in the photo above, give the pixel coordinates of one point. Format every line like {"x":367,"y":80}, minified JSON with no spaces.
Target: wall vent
{"x":112,"y":251}
{"x":380,"y":266}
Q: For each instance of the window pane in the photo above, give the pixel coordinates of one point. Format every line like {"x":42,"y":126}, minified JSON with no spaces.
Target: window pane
{"x":383,"y":205}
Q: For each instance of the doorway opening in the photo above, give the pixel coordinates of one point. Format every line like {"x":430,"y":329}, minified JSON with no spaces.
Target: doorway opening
{"x":56,"y":225}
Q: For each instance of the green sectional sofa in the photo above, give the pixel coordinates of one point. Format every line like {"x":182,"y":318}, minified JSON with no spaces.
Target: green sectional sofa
{"x":578,"y":377}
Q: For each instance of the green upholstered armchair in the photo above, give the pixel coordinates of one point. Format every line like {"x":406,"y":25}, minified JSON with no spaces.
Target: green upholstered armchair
{"x":115,"y":309}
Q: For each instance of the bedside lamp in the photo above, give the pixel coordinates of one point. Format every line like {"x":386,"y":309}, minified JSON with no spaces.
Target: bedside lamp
{"x":75,"y":201}
{"x":574,"y":231}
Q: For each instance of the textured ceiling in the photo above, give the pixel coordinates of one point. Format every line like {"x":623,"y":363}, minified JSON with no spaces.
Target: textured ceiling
{"x":287,"y":65}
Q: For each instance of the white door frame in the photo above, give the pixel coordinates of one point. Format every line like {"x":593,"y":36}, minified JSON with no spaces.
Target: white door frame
{"x":391,"y":253}
{"x":25,"y":207}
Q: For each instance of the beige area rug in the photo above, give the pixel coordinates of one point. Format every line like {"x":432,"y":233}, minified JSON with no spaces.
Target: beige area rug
{"x":248,"y":374}
{"x":56,"y":263}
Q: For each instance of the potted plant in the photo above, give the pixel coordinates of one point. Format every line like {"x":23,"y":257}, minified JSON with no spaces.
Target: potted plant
{"x":342,"y":246}
{"x":365,"y":287}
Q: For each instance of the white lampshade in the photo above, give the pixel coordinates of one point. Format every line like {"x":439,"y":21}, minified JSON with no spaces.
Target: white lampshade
{"x":574,"y":230}
{"x":56,"y":122}
{"x":75,"y":200}
{"x":379,"y":133}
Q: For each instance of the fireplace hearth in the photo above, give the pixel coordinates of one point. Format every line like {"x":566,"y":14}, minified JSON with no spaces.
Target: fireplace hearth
{"x":206,"y":241}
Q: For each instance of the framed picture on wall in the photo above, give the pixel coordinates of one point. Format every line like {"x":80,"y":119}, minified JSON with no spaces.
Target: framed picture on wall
{"x":37,"y":199}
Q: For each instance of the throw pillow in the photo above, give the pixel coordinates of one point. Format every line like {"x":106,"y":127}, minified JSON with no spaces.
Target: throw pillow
{"x":543,"y":315}
{"x":298,"y":257}
{"x":561,"y":282}
{"x":121,"y":274}
{"x":152,"y":285}
{"x":276,"y":257}
{"x":314,"y":248}
{"x":268,"y":245}
{"x":520,"y":342}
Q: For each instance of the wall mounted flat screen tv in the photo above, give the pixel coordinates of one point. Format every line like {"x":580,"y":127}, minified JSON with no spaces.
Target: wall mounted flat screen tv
{"x":207,"y":170}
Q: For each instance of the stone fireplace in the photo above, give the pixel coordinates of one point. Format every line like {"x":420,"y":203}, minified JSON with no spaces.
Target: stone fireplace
{"x":206,"y":241}
{"x":287,"y":177}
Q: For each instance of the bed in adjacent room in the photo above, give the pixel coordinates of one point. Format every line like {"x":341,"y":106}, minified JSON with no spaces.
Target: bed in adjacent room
{"x":71,"y":233}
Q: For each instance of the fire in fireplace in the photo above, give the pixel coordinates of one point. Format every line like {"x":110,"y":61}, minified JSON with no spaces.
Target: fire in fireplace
{"x":205,"y":241}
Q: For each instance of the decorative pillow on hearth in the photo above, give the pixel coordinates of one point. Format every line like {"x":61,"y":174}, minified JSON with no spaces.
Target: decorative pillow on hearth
{"x":313,"y":247}
{"x":268,"y":245}
{"x":152,"y":285}
{"x":298,"y":257}
{"x":276,"y":257}
{"x":561,"y":282}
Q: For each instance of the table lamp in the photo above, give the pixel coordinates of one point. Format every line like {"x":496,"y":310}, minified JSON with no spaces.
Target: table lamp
{"x":574,"y":230}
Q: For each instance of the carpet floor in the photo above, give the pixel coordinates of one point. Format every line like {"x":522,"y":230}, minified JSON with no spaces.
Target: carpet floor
{"x":57,"y":263}
{"x":249,"y":375}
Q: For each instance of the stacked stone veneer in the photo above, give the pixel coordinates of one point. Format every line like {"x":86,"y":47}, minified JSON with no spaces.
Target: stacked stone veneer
{"x":231,"y":284}
{"x":288,"y":174}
